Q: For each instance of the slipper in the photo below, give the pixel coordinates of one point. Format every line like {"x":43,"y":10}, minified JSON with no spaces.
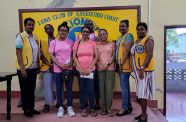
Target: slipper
{"x":93,"y":113}
{"x":84,"y":113}
{"x":122,"y":113}
{"x":110,"y":114}
{"x":103,"y":112}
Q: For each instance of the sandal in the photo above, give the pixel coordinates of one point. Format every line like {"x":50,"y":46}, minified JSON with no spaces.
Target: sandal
{"x":103,"y":112}
{"x":84,"y":113}
{"x":137,"y":117}
{"x":93,"y":113}
{"x":122,"y":113}
{"x":110,"y":114}
{"x":140,"y":118}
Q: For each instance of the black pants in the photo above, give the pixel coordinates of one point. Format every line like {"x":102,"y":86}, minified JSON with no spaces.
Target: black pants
{"x":27,"y":86}
{"x":96,"y":87}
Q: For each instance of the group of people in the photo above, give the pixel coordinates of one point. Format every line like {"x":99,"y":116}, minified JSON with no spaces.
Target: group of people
{"x":95,"y":58}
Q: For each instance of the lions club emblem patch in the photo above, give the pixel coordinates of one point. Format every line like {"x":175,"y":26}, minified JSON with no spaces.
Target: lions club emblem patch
{"x":140,"y":49}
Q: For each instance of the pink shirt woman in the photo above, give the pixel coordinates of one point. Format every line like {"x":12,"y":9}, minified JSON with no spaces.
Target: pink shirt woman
{"x":105,"y":53}
{"x":61,"y":54}
{"x":85,"y":57}
{"x":106,"y":72}
{"x":85,"y":53}
{"x":62,"y":51}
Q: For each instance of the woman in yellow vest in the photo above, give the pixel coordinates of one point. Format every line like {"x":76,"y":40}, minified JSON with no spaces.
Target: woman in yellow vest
{"x":27,"y":64}
{"x":46,"y":67}
{"x":143,"y":67}
{"x":123,"y":58}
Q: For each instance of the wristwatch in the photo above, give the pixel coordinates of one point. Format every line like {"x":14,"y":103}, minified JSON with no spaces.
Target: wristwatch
{"x":142,"y":68}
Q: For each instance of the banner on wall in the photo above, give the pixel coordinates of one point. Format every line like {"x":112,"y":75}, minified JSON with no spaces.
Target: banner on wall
{"x":103,"y":17}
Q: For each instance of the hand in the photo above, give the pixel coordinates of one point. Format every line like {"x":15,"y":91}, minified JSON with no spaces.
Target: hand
{"x":67,"y":65}
{"x":24,"y":73}
{"x":51,"y":65}
{"x":88,"y":71}
{"x":141,"y":74}
{"x":62,"y":66}
{"x":105,"y":66}
{"x":82,"y":72}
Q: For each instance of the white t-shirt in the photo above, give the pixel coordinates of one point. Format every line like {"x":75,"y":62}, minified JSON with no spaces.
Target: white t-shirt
{"x":34,"y":45}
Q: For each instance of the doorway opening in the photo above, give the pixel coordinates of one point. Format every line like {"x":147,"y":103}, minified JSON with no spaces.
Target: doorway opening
{"x":175,"y":73}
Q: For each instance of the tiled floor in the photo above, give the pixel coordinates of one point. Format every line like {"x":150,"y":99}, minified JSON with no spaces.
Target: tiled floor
{"x":176,"y":106}
{"x":17,"y":115}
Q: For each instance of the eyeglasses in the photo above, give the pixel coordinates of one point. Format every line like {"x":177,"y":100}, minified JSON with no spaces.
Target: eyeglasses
{"x":62,"y":30}
{"x":85,"y":32}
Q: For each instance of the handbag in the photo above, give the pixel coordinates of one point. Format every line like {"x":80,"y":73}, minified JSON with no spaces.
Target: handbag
{"x":67,"y":74}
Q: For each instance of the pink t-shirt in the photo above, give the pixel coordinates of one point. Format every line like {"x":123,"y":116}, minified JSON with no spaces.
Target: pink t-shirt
{"x":105,"y":54}
{"x":85,"y":53}
{"x":62,"y":50}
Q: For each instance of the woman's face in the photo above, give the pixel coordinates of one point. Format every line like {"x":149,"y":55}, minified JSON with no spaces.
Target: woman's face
{"x":103,"y":36}
{"x":123,"y":28}
{"x":63,"y":32}
{"x":141,"y":31}
{"x":29,"y":27}
{"x":85,"y":33}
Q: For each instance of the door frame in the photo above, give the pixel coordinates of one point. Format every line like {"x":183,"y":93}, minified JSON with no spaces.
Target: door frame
{"x":165,"y":64}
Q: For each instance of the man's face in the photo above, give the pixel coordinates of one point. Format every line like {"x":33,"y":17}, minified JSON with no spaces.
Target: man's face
{"x":29,"y":27}
{"x":49,"y":29}
{"x":89,"y":24}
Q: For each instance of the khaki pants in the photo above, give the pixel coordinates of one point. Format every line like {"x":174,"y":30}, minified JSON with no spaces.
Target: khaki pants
{"x":106,"y":86}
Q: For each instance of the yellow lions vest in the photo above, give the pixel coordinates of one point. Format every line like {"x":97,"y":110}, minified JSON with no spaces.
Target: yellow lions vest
{"x":27,"y":51}
{"x":127,"y":66}
{"x":140,"y":55}
{"x":46,"y":54}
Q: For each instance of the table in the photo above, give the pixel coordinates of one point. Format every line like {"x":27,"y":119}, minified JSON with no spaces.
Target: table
{"x":7,"y":76}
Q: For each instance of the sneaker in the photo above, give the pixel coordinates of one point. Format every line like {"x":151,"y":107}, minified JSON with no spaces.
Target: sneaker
{"x":60,"y":112}
{"x":70,"y":111}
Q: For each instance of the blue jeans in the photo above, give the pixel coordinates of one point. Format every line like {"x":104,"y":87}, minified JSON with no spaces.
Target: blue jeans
{"x":125,"y":90}
{"x":86,"y":90}
{"x":59,"y":89}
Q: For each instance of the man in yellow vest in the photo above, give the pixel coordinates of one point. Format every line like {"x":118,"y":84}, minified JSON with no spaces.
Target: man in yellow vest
{"x":27,"y":64}
{"x":46,"y":68}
